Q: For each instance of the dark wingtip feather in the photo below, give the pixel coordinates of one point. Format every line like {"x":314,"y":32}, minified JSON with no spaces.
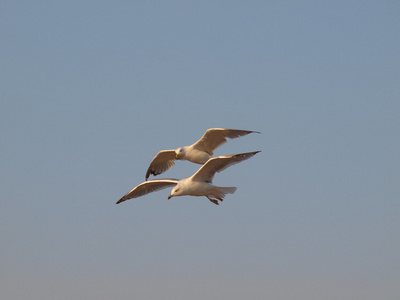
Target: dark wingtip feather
{"x":248,"y":153}
{"x":151,"y":172}
{"x":147,"y":174}
{"x":120,"y":200}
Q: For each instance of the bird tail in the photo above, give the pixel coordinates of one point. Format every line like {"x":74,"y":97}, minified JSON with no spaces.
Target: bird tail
{"x":220,"y":191}
{"x":227,"y":190}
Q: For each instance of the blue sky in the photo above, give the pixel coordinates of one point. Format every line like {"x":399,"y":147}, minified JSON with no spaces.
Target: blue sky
{"x":92,"y":90}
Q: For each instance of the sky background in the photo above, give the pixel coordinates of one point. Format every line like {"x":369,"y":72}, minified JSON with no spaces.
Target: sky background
{"x":92,"y":90}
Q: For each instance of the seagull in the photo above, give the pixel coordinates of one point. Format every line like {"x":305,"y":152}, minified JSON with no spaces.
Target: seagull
{"x":199,"y":152}
{"x":199,"y":184}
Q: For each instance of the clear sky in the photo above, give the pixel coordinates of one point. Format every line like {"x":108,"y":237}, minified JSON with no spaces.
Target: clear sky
{"x":92,"y":90}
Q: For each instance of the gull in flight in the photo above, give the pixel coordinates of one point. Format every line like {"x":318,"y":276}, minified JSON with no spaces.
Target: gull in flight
{"x":199,"y":153}
{"x":199,"y":184}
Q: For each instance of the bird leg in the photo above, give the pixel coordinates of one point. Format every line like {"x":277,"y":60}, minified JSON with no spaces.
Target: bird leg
{"x":213,"y":200}
{"x":218,"y":197}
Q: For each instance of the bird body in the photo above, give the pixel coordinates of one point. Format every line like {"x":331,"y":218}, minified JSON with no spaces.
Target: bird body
{"x":190,"y":187}
{"x":199,"y":184}
{"x":199,"y":152}
{"x":192,"y":154}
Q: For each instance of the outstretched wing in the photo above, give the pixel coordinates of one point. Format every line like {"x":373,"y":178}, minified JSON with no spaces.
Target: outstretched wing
{"x":161,"y":162}
{"x":215,"y":137}
{"x":148,"y":187}
{"x":218,"y":164}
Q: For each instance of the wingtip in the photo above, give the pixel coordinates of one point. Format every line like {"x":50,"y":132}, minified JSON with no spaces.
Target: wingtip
{"x":251,"y":153}
{"x":120,"y":200}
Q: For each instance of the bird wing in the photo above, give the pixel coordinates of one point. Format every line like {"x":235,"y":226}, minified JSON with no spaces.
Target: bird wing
{"x":161,"y":162}
{"x":148,"y":187}
{"x":218,"y":164}
{"x":215,"y":137}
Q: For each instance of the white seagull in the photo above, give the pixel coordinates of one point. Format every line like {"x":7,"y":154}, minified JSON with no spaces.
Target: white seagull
{"x":199,"y":184}
{"x":199,"y":152}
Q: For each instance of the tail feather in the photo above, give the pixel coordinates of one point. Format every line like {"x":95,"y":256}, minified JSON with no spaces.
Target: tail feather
{"x":220,"y":192}
{"x":227,"y":190}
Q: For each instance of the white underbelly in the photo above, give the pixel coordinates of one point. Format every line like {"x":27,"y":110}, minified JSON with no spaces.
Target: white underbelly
{"x":198,"y":157}
{"x":198,"y":188}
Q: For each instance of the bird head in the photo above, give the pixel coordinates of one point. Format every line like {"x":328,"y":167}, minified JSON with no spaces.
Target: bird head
{"x":174,"y":192}
{"x":179,"y":153}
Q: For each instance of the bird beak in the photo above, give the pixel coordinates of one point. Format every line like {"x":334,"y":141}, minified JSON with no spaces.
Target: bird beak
{"x":176,"y":155}
{"x":169,"y":197}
